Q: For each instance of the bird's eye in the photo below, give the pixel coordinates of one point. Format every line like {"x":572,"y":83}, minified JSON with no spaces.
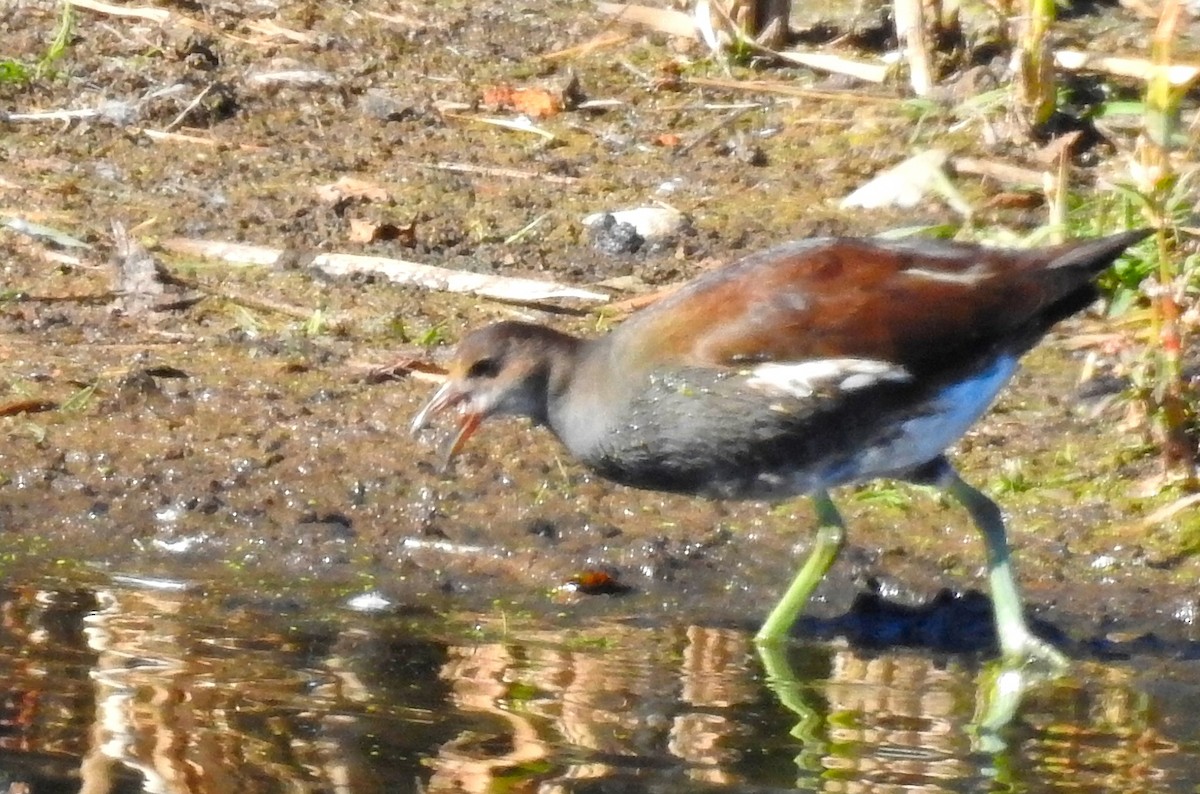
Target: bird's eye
{"x":484,"y":368}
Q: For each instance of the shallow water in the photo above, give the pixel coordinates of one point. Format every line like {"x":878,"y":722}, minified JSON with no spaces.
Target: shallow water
{"x":143,"y":685}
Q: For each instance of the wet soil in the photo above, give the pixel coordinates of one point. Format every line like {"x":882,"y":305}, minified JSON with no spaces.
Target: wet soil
{"x":239,"y":436}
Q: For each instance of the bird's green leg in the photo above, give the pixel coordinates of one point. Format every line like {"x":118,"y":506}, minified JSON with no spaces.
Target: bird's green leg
{"x":831,"y":536}
{"x":1017,"y":642}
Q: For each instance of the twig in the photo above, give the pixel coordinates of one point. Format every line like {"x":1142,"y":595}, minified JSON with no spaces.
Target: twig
{"x":508,"y":124}
{"x":1001,"y":172}
{"x":159,"y":15}
{"x":681,"y":25}
{"x":54,"y":115}
{"x":489,"y":170}
{"x":637,"y":302}
{"x":233,"y":253}
{"x":173,"y":338}
{"x":179,"y":137}
{"x":407,"y":367}
{"x":787,"y":89}
{"x":398,"y":19}
{"x":60,"y":258}
{"x":836,"y":64}
{"x":297,"y":78}
{"x":822,"y":61}
{"x":258,"y":303}
{"x":511,"y":290}
{"x":674,"y":23}
{"x":1167,"y":511}
{"x":519,"y":234}
{"x":608,"y":39}
{"x":910,"y":29}
{"x":118,"y":112}
{"x":90,"y":298}
{"x":1179,"y":74}
{"x":713,"y":129}
{"x":640,"y":74}
{"x":190,"y":107}
{"x":270,"y":29}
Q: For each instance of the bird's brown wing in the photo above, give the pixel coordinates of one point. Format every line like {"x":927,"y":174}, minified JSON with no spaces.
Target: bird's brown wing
{"x":923,"y":305}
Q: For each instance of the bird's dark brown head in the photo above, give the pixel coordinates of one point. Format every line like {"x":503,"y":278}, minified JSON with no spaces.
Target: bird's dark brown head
{"x":506,"y":369}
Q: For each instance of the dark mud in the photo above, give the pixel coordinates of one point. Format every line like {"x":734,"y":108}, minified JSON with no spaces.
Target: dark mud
{"x":239,"y":438}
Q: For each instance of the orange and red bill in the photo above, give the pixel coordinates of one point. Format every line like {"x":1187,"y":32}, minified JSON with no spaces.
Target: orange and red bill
{"x":449,"y":396}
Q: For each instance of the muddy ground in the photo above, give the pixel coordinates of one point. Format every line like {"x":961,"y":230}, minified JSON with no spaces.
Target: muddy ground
{"x":232,"y":432}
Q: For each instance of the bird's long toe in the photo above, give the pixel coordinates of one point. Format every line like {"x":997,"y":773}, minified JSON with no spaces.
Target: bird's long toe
{"x":1027,"y":649}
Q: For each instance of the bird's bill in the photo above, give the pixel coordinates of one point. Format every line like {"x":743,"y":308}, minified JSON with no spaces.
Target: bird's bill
{"x":448,"y":396}
{"x":467,"y":426}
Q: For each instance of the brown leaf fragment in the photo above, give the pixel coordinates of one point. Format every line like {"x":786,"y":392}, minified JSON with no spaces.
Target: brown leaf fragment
{"x":404,"y":235}
{"x":370,"y":231}
{"x":27,"y":407}
{"x":1015,"y":200}
{"x":411,"y":366}
{"x":362,"y":231}
{"x":165,"y":371}
{"x":1058,"y":148}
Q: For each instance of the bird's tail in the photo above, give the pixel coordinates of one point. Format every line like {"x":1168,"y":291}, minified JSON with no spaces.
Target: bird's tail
{"x":1093,"y":256}
{"x":1069,"y":278}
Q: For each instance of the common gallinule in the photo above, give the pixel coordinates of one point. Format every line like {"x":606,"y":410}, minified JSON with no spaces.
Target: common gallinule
{"x":818,"y":363}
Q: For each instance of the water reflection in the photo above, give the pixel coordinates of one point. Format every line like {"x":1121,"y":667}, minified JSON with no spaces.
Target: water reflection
{"x":123,"y":689}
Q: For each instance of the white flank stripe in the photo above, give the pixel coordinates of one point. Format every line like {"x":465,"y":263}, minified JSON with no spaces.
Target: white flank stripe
{"x":804,"y":378}
{"x":974,"y":275}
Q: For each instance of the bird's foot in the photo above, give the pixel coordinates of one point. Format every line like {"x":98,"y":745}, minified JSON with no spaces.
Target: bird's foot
{"x":1027,"y":661}
{"x":1025,"y":649}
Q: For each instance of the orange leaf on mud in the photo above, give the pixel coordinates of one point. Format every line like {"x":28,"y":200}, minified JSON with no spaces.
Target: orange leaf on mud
{"x":594,"y":582}
{"x":538,"y":103}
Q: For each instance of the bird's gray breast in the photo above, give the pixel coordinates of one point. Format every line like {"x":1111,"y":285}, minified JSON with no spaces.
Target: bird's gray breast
{"x":777,"y":430}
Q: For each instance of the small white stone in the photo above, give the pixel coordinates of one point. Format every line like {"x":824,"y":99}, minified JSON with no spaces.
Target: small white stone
{"x":373,"y":601}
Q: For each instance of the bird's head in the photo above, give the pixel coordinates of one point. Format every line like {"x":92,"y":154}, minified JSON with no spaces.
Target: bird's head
{"x":500,"y":369}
